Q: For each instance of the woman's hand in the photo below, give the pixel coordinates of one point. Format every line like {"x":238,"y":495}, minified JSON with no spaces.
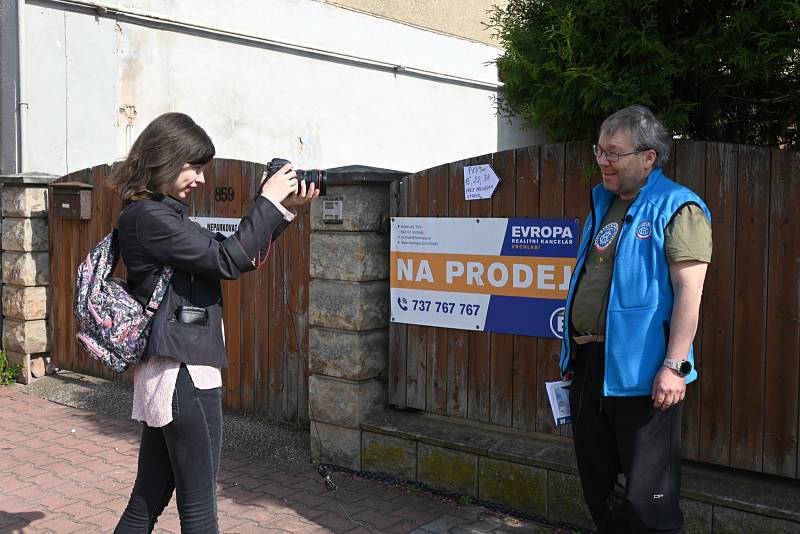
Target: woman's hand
{"x":280,"y":185}
{"x":302,"y":197}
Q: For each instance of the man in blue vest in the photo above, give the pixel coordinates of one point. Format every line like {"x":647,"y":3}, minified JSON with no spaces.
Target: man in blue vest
{"x":631,"y":316}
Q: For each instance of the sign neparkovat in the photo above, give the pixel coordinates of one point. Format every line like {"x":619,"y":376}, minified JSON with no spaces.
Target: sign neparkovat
{"x":492,"y":274}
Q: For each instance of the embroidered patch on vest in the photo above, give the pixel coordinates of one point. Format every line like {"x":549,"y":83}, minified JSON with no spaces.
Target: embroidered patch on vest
{"x":606,"y":236}
{"x":644,"y":230}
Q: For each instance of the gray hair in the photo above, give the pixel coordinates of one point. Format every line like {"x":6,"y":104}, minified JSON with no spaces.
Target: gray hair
{"x":647,"y":132}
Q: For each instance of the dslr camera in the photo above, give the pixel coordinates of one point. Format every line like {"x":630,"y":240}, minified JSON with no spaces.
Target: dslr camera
{"x":318,"y":177}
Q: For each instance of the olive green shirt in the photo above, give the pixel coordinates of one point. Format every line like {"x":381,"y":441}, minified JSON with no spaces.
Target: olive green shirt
{"x":686,"y":238}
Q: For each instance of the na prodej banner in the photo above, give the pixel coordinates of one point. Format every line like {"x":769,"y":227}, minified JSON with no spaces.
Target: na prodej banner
{"x":489,"y":274}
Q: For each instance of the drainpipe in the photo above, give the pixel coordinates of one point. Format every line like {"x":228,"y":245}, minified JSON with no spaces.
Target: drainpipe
{"x":22,"y":101}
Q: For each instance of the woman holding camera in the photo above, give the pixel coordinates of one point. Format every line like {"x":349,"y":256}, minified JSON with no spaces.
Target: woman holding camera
{"x":177,"y":384}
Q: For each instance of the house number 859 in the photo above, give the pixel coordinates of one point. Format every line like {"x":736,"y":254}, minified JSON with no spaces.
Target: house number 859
{"x":224,"y":194}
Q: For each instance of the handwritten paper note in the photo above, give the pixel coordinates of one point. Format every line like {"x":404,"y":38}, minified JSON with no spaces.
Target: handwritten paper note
{"x":480,"y":182}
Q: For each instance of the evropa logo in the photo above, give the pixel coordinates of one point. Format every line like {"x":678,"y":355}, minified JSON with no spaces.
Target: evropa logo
{"x":541,"y":232}
{"x":557,"y":322}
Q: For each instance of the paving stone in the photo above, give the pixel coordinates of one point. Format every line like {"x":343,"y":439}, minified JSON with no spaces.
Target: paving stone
{"x":376,"y":519}
{"x":335,"y":521}
{"x":73,"y":487}
{"x":442,"y":524}
{"x":485,"y":524}
{"x":60,"y":523}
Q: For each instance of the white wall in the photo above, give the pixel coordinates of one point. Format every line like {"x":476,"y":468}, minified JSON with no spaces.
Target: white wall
{"x":254,"y":101}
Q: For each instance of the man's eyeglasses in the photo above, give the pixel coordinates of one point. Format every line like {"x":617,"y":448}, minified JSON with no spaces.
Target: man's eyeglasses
{"x":613,"y":157}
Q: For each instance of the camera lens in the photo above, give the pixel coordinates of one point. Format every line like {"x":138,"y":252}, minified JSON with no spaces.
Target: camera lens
{"x":318,"y":177}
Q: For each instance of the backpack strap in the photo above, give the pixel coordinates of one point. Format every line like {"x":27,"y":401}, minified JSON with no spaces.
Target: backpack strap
{"x":158,"y":293}
{"x":150,"y":293}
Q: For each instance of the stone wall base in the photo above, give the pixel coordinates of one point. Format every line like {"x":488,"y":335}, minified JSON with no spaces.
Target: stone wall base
{"x":536,"y":474}
{"x":337,"y":445}
{"x":33,"y":365}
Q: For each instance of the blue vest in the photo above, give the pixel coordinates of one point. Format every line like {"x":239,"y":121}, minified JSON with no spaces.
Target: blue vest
{"x":640,"y":297}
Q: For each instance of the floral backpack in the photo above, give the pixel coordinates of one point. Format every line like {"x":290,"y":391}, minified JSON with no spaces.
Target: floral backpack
{"x":112,"y":325}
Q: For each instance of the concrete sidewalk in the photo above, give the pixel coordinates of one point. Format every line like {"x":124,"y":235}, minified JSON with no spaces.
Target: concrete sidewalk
{"x":66,"y":470}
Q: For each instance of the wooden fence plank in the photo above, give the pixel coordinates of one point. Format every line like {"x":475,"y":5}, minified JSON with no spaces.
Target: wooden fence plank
{"x":262,"y":279}
{"x":478,"y":408}
{"x":579,"y":178}
{"x":231,"y":177}
{"x":208,"y":207}
{"x":782,"y":374}
{"x":78,"y":248}
{"x":398,"y":199}
{"x":718,"y":305}
{"x":416,"y":351}
{"x":457,"y":340}
{"x":216,"y":176}
{"x":690,"y":163}
{"x":669,"y":166}
{"x":303,"y":223}
{"x":109,"y":209}
{"x":436,"y":379}
{"x":501,"y":379}
{"x":263,"y":327}
{"x":247,"y":386}
{"x":551,"y":204}
{"x":292,"y":329}
{"x":526,"y":201}
{"x":86,"y":237}
{"x":750,"y":309}
{"x":78,"y":361}
{"x":58,"y":317}
{"x":277,"y":314}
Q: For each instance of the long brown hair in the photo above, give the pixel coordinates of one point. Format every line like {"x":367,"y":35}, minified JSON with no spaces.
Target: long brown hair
{"x":158,"y":154}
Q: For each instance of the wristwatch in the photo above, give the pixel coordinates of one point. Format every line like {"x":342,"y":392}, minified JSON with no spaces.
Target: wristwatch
{"x":683,"y":367}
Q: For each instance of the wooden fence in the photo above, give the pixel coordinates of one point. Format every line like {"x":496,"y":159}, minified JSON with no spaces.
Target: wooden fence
{"x":266,"y":312}
{"x":743,"y":410}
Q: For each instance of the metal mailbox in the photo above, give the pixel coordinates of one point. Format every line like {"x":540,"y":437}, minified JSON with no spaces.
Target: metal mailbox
{"x":71,"y":200}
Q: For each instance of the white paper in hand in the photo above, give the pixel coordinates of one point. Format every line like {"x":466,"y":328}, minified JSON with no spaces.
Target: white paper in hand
{"x":558,"y":394}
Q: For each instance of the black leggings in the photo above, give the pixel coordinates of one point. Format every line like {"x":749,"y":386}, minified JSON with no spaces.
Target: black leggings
{"x":181,"y":456}
{"x":625,"y":435}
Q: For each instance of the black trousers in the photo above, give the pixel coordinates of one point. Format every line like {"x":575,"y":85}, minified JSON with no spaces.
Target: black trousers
{"x":183,"y":456}
{"x":625,"y":435}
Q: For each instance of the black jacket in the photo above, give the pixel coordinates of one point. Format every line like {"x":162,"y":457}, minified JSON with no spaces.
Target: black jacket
{"x":156,"y":232}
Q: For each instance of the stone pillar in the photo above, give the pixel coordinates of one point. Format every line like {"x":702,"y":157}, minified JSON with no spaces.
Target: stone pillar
{"x":26,"y":272}
{"x":349,"y":310}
